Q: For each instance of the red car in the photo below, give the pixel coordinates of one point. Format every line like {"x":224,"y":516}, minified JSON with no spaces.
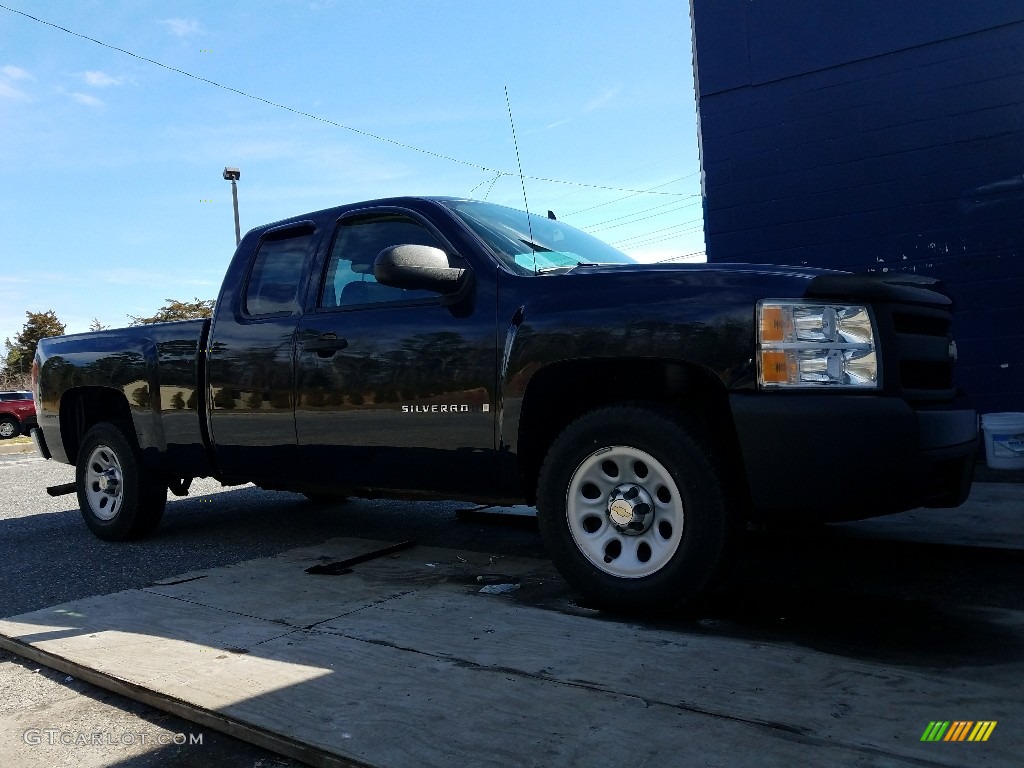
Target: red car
{"x":17,"y":414}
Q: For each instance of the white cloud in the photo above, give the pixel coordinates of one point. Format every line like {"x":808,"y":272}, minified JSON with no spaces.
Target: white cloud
{"x":101,"y":79}
{"x":15,"y":73}
{"x":592,"y":105}
{"x":603,"y":99}
{"x":183,"y":27}
{"x":10,"y":74}
{"x":85,"y":98}
{"x":8,"y":91}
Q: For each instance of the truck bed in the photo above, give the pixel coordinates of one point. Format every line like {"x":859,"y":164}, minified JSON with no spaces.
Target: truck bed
{"x":156,"y":368}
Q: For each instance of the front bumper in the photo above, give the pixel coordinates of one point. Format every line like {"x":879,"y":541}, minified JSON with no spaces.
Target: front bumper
{"x":829,"y":457}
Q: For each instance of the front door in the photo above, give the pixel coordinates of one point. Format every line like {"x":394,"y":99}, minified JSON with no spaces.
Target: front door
{"x":395,"y":389}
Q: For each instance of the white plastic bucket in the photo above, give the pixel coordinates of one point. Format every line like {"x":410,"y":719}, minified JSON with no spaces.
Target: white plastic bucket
{"x":1004,"y":440}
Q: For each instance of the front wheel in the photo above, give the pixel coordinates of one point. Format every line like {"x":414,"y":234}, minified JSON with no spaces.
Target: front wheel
{"x":119,"y":497}
{"x":633,"y":510}
{"x":9,"y":428}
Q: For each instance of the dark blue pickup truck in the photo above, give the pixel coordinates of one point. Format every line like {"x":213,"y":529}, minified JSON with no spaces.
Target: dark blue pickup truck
{"x":448,"y":348}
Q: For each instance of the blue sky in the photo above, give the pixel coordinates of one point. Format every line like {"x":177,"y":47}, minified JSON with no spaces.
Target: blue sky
{"x":111,"y":196}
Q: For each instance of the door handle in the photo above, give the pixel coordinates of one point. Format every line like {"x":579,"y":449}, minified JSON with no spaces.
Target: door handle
{"x":326,"y":344}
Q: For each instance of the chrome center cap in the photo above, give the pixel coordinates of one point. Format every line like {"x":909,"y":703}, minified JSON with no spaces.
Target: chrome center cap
{"x":630,"y":509}
{"x":109,"y":480}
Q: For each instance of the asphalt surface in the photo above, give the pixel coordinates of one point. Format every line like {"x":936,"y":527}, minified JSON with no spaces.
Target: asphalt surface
{"x":907,"y":591}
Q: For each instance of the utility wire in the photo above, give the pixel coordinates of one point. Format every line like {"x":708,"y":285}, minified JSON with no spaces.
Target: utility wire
{"x":680,"y":225}
{"x":499,"y":173}
{"x":677,"y":229}
{"x":633,"y":217}
{"x":661,"y":161}
{"x":656,"y":240}
{"x":682,"y":256}
{"x":640,"y":192}
{"x":636,"y":213}
{"x":249,"y":95}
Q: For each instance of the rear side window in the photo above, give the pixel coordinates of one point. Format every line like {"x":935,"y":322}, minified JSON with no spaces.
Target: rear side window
{"x":277,"y":274}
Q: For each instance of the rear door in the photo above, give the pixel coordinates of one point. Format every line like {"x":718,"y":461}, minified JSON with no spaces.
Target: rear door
{"x":251,"y":366}
{"x":395,"y":388}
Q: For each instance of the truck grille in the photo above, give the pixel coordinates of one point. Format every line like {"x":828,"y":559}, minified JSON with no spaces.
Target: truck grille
{"x":920,"y":351}
{"x":914,"y":320}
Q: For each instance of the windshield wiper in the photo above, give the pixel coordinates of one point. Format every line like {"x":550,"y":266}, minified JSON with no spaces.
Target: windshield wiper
{"x":570,"y":267}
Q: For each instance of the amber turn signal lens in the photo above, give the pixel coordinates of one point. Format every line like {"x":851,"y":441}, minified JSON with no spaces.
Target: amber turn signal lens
{"x":773,"y":325}
{"x":774,"y":366}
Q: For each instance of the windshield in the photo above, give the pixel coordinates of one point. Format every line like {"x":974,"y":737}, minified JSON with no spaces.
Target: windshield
{"x":537,"y":245}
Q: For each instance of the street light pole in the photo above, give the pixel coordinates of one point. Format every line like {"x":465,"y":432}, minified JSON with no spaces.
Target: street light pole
{"x":232,"y":175}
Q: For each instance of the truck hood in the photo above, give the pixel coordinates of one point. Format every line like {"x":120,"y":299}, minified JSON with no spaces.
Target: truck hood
{"x":806,"y":281}
{"x":800,"y":273}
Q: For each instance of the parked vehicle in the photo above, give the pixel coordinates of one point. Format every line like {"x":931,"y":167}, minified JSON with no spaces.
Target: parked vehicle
{"x":17,"y":414}
{"x":447,"y":348}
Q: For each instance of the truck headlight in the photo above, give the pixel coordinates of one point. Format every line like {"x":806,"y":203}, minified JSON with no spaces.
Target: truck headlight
{"x":812,"y":344}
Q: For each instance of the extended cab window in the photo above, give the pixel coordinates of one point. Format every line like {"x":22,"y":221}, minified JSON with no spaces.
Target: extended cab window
{"x":349,"y":279}
{"x":277,"y":272}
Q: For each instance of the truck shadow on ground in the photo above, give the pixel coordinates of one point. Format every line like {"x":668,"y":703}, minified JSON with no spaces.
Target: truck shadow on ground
{"x":832,"y":589}
{"x":897,"y":602}
{"x":836,"y":589}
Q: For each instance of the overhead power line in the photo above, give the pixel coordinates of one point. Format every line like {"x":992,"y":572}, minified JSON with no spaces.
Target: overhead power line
{"x":637,"y":216}
{"x":367,"y":134}
{"x":639,"y":192}
{"x":666,"y":233}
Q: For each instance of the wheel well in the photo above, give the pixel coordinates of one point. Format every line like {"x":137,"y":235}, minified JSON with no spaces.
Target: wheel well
{"x":560,"y":393}
{"x":83,"y":407}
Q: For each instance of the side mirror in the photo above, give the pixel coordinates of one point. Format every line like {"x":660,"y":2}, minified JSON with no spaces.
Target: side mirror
{"x":419,"y":267}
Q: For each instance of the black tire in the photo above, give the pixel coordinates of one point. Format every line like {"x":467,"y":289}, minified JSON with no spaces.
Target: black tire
{"x":9,"y":427}
{"x":119,"y":497}
{"x":598,"y":530}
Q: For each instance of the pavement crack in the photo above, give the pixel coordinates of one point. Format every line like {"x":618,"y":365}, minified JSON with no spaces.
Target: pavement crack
{"x":354,"y":611}
{"x":178,"y":581}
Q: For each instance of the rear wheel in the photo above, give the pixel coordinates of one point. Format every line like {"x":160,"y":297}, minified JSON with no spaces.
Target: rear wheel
{"x":119,"y":497}
{"x":633,"y":510}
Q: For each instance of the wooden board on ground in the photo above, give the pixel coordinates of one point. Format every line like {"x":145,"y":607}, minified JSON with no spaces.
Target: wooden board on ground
{"x":405,"y":661}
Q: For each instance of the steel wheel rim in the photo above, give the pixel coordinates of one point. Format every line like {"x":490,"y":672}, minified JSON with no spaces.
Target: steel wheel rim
{"x":104,"y":488}
{"x":6,"y":429}
{"x":598,"y":531}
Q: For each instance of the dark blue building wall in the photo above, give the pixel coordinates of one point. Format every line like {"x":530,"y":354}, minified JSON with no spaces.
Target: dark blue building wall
{"x":879,"y":136}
